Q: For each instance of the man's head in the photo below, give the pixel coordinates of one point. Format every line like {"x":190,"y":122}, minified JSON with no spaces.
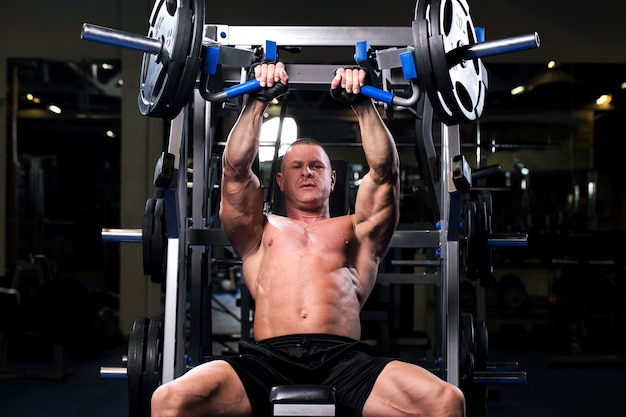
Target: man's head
{"x":306,"y":177}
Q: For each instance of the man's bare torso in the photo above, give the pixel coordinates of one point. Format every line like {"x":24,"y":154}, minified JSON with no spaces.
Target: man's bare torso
{"x":305,"y":278}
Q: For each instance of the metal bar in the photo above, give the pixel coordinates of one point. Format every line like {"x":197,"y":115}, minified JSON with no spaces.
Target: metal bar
{"x":171,"y":338}
{"x":499,"y":378}
{"x":500,"y":46}
{"x":309,"y":35}
{"x":406,"y":278}
{"x":502,"y":241}
{"x":307,"y":77}
{"x":198,"y":296}
{"x":416,"y":262}
{"x":301,"y":76}
{"x":113,"y":373}
{"x":450,"y":311}
{"x":122,"y":235}
{"x":415,"y":239}
{"x":120,"y":39}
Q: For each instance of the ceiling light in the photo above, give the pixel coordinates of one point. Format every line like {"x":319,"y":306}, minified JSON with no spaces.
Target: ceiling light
{"x":518,"y":90}
{"x":604,"y":100}
{"x":54,"y":109}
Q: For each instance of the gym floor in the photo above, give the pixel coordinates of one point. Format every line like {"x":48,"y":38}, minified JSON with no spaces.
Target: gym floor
{"x":591,"y":386}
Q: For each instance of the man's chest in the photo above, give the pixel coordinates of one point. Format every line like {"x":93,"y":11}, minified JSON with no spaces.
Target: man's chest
{"x":331,"y":237}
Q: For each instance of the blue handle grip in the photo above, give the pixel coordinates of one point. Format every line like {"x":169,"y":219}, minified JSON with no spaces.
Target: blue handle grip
{"x":377,"y":94}
{"x":243,"y":88}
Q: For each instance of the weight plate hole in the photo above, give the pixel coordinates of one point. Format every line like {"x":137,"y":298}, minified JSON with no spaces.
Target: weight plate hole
{"x":464,"y":97}
{"x":447,"y":17}
{"x":171,"y":6}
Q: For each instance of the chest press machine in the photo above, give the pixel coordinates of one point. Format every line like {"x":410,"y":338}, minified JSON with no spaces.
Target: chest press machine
{"x":191,"y":70}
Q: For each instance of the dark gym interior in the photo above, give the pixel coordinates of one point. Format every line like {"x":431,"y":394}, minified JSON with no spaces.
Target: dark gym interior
{"x":555,"y":308}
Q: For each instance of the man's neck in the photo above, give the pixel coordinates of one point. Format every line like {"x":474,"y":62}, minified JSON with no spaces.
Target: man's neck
{"x":308,"y":216}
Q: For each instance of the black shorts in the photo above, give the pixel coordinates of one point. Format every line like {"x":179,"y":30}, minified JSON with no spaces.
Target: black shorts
{"x":350,"y":366}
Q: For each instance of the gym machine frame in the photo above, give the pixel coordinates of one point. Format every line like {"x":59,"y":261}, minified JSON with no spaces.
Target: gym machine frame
{"x":189,"y":236}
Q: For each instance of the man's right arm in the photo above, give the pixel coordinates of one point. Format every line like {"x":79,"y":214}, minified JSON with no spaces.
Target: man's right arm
{"x":241,"y":210}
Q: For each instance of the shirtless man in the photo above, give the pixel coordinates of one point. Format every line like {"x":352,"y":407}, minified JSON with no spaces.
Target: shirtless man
{"x":309,"y":275}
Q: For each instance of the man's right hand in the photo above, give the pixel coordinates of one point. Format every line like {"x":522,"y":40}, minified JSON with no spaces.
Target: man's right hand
{"x":273,"y":79}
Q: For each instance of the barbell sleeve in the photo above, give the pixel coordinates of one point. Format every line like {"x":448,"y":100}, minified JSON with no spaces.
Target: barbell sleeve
{"x":492,"y":48}
{"x":120,"y":39}
{"x":508,"y":240}
{"x":499,"y":378}
{"x":113,"y":373}
{"x":122,"y":235}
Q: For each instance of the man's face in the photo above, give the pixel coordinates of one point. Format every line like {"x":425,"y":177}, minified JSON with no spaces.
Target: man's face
{"x":306,"y":177}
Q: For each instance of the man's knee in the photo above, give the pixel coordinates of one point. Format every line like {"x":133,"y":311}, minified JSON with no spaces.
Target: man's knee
{"x":166,"y":401}
{"x":452,"y":399}
{"x":443,"y":399}
{"x":207,"y":389}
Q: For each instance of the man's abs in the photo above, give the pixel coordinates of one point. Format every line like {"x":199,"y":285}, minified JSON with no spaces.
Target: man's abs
{"x":306,"y":304}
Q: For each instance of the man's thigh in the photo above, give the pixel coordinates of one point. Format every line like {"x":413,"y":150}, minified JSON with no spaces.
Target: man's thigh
{"x":214,"y":388}
{"x":403,"y":389}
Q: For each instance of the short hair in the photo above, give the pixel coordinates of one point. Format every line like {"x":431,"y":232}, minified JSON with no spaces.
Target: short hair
{"x":302,"y":141}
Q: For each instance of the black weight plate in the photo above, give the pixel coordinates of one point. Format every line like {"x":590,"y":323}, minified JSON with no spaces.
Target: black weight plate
{"x":485,"y":271}
{"x":462,"y":86}
{"x":467,"y":295}
{"x":467,"y":356}
{"x":470,"y":247}
{"x":421,"y":33}
{"x":479,"y":391}
{"x":135,"y":365}
{"x":482,"y":344}
{"x":192,"y":62}
{"x":467,"y":342}
{"x":161,"y":74}
{"x":146,"y":235}
{"x":476,"y":253}
{"x":153,"y":362}
{"x":159,"y":242}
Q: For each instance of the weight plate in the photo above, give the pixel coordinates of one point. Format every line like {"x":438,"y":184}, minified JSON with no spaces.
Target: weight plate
{"x":146,"y":235}
{"x":462,"y":85}
{"x":457,"y":92}
{"x":467,"y":295}
{"x":467,"y":356}
{"x":482,"y":344}
{"x":476,"y":255}
{"x":467,"y":345}
{"x":158,"y":243}
{"x":135,"y":365}
{"x":421,"y":33}
{"x":193,"y":61}
{"x":161,"y":74}
{"x":479,"y":391}
{"x":153,"y":362}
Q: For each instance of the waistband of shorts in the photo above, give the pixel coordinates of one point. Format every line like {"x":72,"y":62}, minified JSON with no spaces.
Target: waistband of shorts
{"x":301,"y":340}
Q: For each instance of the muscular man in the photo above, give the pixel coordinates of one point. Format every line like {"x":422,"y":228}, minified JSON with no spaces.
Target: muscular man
{"x":309,"y":275}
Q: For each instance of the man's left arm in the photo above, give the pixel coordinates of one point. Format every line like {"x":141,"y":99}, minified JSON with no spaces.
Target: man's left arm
{"x":377,"y":201}
{"x":376,"y":213}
